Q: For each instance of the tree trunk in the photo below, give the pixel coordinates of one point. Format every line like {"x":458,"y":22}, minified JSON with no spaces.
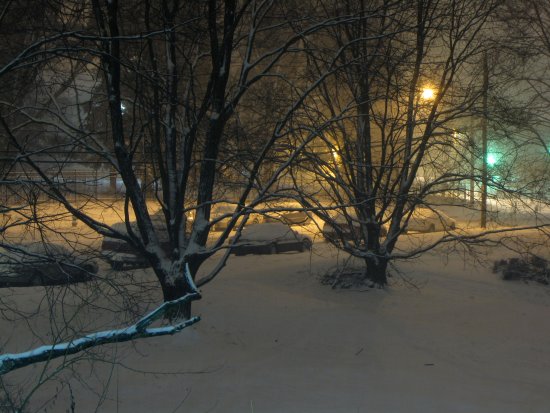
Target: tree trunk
{"x":173,"y":292}
{"x":179,"y":289}
{"x":377,"y":270}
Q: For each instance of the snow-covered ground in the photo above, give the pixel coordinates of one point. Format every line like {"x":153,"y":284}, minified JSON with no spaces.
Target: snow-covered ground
{"x":445,"y":336}
{"x":273,"y":339}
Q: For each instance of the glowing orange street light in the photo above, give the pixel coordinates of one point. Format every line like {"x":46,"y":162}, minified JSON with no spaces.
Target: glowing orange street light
{"x":427,"y":94}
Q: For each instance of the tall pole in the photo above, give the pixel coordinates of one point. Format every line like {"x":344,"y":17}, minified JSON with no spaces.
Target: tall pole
{"x":472,"y":171}
{"x":484,"y":143}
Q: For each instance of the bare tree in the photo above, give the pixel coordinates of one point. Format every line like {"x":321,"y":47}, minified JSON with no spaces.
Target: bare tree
{"x":146,"y":90}
{"x":170,"y":77}
{"x":395,"y":125}
{"x":193,"y":104}
{"x":527,"y":53}
{"x":160,"y":94}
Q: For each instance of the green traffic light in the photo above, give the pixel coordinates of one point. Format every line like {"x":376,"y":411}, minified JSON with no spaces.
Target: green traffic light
{"x":491,"y":159}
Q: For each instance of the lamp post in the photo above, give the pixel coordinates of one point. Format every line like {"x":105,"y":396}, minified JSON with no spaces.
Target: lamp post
{"x":483,"y":222}
{"x":425,"y":98}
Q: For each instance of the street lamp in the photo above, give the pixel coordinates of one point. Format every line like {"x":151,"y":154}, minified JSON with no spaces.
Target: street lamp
{"x":427,"y":94}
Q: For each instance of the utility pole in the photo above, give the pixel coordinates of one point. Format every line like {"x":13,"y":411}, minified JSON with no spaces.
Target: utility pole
{"x":484,"y":143}
{"x":472,"y":148}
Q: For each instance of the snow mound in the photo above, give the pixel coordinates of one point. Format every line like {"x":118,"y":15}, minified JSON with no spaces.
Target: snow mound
{"x":533,"y":268}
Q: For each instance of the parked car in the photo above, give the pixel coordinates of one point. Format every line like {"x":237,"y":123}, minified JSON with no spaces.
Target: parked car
{"x":221,"y":216}
{"x":270,"y":238}
{"x":288,"y":213}
{"x":38,"y":263}
{"x":222,"y":213}
{"x":339,"y":227}
{"x":119,"y":254}
{"x":429,"y":220}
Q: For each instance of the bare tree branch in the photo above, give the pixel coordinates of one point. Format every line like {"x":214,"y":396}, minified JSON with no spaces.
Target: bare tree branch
{"x":138,"y":330}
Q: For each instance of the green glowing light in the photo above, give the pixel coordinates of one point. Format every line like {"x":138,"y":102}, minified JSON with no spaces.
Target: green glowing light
{"x":491,"y":159}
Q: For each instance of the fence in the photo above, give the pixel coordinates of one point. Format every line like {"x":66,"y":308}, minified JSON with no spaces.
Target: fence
{"x":18,"y":185}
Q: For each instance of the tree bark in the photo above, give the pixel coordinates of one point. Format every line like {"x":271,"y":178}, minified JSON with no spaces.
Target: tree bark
{"x":376,"y":270}
{"x":173,"y":292}
{"x":180,"y":288}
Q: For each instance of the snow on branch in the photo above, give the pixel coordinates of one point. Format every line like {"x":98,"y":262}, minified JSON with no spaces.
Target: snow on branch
{"x":10,"y":362}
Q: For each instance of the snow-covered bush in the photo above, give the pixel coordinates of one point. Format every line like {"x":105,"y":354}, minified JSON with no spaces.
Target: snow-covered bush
{"x":533,"y":268}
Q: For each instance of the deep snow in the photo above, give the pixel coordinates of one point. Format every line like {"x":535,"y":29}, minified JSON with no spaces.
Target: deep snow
{"x":445,"y":336}
{"x":272,"y":339}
